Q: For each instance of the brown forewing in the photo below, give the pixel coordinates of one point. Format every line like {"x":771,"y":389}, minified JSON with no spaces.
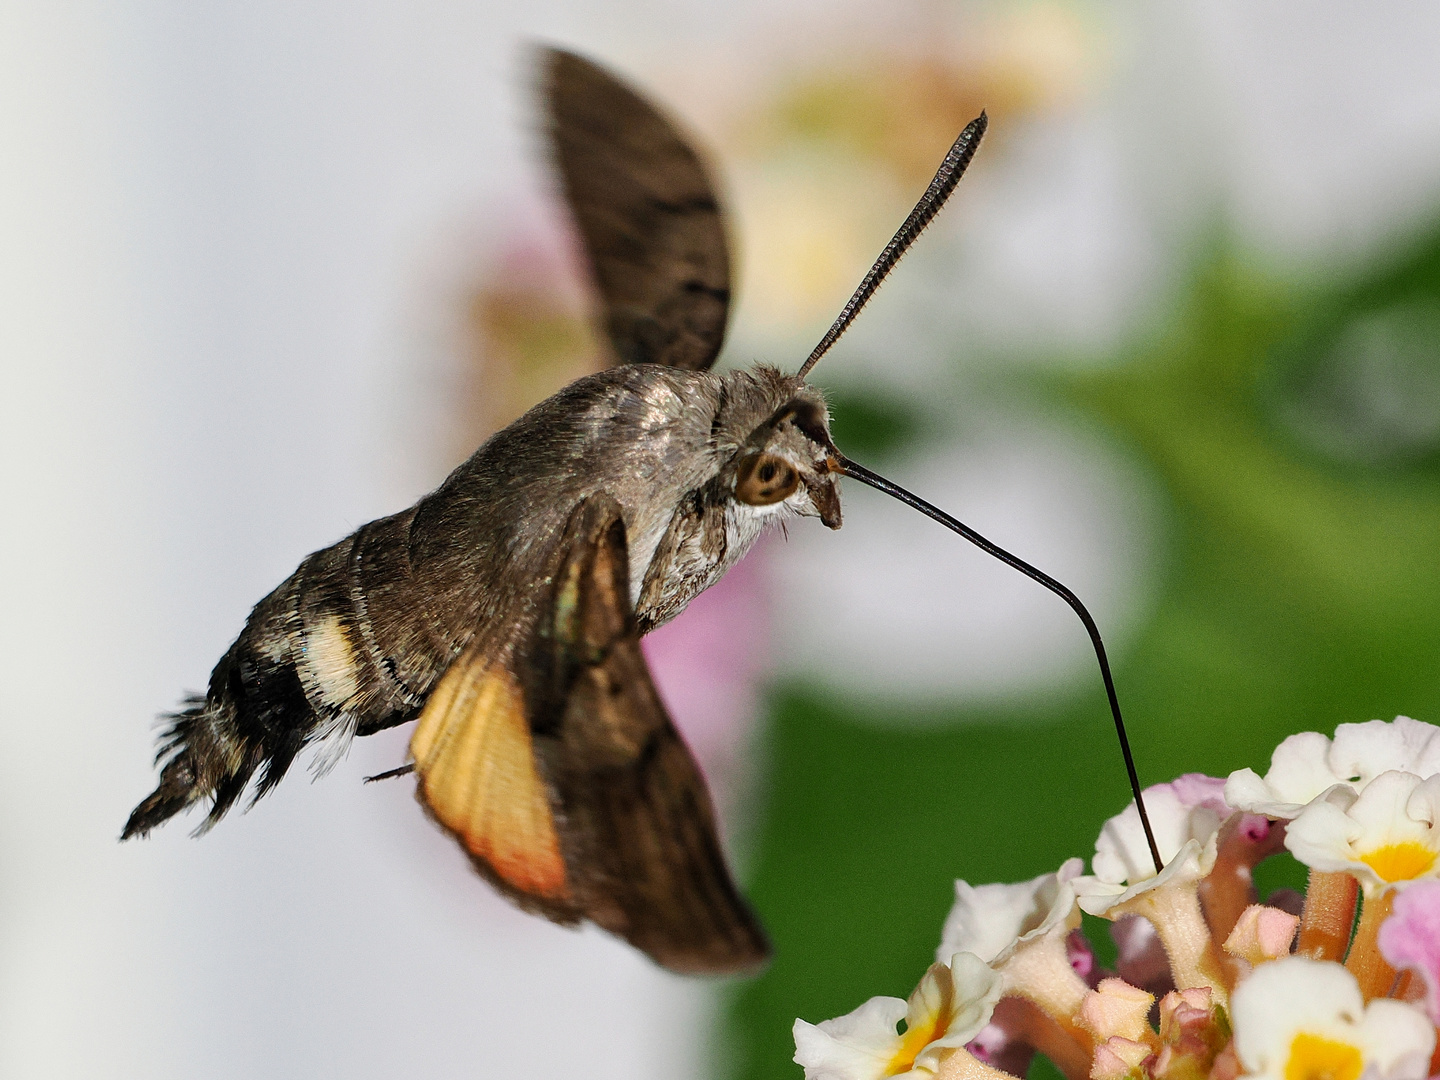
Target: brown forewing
{"x":636,"y":823}
{"x":647,"y":212}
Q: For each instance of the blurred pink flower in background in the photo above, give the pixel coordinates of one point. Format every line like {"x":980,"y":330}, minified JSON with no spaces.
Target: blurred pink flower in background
{"x":1410,"y":938}
{"x":710,"y":665}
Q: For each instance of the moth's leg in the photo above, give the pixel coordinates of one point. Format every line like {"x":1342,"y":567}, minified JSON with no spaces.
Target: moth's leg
{"x":688,"y":560}
{"x":391,"y":774}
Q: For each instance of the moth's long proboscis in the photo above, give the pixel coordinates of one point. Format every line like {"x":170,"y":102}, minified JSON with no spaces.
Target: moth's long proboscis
{"x":946,"y":177}
{"x":846,"y":467}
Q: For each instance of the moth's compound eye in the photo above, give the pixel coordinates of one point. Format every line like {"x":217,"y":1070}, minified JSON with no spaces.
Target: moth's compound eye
{"x":764,"y":479}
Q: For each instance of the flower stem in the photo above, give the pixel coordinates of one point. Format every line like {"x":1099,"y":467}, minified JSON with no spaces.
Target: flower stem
{"x":1068,"y":1047}
{"x":1229,"y":889}
{"x":1328,"y":916}
{"x":1371,"y":970}
{"x":1042,"y":973}
{"x":1195,"y":959}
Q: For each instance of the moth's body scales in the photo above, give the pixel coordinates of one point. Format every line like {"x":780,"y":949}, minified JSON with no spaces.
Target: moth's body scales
{"x":363,"y":629}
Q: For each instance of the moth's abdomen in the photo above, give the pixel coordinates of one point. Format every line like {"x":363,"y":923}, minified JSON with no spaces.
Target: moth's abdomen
{"x":342,"y":647}
{"x":254,"y":717}
{"x":363,"y":664}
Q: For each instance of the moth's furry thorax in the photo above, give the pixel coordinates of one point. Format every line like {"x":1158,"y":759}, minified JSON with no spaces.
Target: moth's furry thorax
{"x":666,"y":444}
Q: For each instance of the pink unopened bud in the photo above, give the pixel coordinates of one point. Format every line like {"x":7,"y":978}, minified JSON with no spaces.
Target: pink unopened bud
{"x":1181,"y":1007}
{"x":1120,"y":1059}
{"x":1262,"y":933}
{"x":1192,"y":1032}
{"x":1115,"y":1008}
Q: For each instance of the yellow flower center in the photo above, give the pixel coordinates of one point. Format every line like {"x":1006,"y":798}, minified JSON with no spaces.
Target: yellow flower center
{"x":1404,"y":861}
{"x":912,"y":1042}
{"x":1314,"y":1057}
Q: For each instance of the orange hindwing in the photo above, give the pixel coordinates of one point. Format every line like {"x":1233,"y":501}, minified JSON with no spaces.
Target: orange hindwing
{"x":476,"y":767}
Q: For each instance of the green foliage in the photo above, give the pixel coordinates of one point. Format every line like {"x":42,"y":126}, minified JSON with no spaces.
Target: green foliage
{"x":871,"y":425}
{"x":1302,"y":591}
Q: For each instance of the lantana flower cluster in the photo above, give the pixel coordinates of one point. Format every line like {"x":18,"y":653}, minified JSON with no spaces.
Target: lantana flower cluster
{"x":1209,"y":983}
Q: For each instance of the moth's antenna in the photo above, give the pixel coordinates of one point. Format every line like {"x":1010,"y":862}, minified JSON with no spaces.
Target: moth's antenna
{"x":845,"y":467}
{"x":948,"y":175}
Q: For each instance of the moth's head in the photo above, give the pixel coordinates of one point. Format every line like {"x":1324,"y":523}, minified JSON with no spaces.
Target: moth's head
{"x":784,"y":460}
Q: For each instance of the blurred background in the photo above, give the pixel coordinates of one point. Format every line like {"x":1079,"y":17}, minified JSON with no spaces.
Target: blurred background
{"x":269,"y":271}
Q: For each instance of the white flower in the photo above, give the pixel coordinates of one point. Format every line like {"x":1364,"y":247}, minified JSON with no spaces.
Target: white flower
{"x":1306,"y":766}
{"x":1108,"y":899}
{"x":991,"y":920}
{"x":1385,"y":835}
{"x":1299,"y":772}
{"x":1302,"y":1019}
{"x":1022,"y":932}
{"x":1363,"y":751}
{"x":1185,"y":815}
{"x":945,"y":1012}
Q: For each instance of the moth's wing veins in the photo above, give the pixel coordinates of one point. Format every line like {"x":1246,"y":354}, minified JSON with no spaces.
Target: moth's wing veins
{"x":636,"y":821}
{"x":647,"y":212}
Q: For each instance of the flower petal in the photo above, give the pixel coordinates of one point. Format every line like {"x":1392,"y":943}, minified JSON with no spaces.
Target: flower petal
{"x":989,"y":920}
{"x":1284,"y":997}
{"x":1097,"y":896}
{"x":977,"y":987}
{"x":1410,"y":938}
{"x":1362,"y":752}
{"x":1307,"y":765}
{"x":1399,"y":1038}
{"x":1180,"y":811}
{"x":948,"y":1008}
{"x":856,"y":1046}
{"x":1384,"y":836}
{"x":1298,"y":1006}
{"x":1299,"y":772}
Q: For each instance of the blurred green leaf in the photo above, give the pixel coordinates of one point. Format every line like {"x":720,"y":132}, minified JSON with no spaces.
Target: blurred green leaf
{"x":870,"y":425}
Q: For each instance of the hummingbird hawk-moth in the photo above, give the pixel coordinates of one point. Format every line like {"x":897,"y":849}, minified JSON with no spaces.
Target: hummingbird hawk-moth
{"x":503,"y":611}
